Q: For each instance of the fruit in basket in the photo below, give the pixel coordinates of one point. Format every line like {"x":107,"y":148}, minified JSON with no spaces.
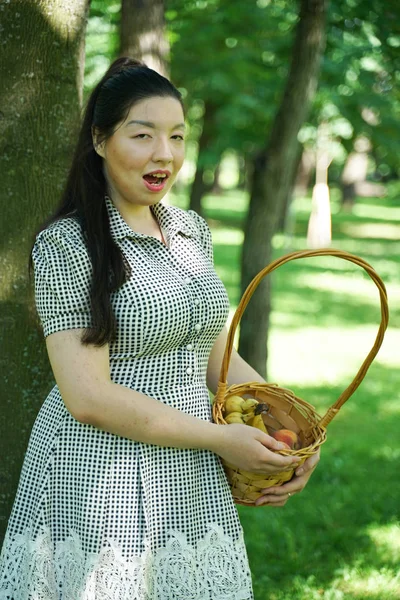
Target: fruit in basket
{"x":287,"y":437}
{"x":234,"y":417}
{"x":246,"y":417}
{"x":257,"y":420}
{"x":234,"y":404}
{"x":249,"y":405}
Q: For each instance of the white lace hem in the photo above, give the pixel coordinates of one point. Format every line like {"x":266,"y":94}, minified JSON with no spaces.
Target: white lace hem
{"x":215,"y":569}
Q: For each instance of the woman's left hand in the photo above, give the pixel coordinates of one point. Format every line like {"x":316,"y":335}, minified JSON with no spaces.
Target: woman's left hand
{"x":279,"y":495}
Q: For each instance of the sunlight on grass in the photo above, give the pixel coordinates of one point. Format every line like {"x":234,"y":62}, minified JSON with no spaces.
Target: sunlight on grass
{"x":377,"y":211}
{"x":225,"y":237}
{"x":387,"y":541}
{"x":308,"y":356}
{"x":354,"y":285}
{"x":232,"y":201}
{"x":391,"y":407}
{"x":386,"y":453}
{"x":363,"y":584}
{"x":372,"y":230}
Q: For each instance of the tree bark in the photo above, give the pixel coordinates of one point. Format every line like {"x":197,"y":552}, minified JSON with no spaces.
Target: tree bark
{"x":199,"y":187}
{"x":143,"y":33}
{"x":283,"y":221}
{"x":273,"y":175}
{"x":42,"y":75}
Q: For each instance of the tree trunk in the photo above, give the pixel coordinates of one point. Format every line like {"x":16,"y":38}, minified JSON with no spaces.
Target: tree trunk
{"x":42,"y":77}
{"x":354,"y":172}
{"x":143,"y":33}
{"x":305,"y":172}
{"x":273,"y":175}
{"x":199,"y":186}
{"x":244,"y":165}
{"x":284,"y":213}
{"x":319,"y":231}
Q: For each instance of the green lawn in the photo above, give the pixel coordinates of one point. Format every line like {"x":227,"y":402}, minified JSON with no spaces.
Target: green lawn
{"x":340,"y":538}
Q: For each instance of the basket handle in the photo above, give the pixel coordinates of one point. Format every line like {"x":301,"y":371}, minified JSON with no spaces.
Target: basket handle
{"x":345,"y":395}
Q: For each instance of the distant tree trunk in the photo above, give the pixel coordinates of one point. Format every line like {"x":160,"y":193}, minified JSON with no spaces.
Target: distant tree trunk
{"x":273,"y":175}
{"x":305,"y":171}
{"x":42,"y":76}
{"x":216,"y":187}
{"x":143,"y":33}
{"x":199,"y":186}
{"x":319,"y":231}
{"x":244,"y":164}
{"x":355,"y":171}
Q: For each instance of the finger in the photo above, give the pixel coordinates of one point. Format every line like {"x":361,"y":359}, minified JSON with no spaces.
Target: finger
{"x":308,"y":465}
{"x":271,"y":443}
{"x":273,"y":465}
{"x":281,"y":460}
{"x":280,"y":491}
{"x":272,"y":500}
{"x":292,"y":487}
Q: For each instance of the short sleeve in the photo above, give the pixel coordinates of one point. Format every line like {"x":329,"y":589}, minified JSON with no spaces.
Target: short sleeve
{"x":63,"y":275}
{"x":205,"y":233}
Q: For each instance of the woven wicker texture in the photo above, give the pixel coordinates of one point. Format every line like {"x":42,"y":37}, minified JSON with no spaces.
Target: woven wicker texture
{"x":287,"y":410}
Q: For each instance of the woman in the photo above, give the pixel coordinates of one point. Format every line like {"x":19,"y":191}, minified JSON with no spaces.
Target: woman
{"x":122,"y":494}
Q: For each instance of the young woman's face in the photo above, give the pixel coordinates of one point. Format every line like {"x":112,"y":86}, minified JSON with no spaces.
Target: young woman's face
{"x":148,"y":144}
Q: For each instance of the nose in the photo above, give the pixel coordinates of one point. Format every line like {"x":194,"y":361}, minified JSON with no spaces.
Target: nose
{"x":162,"y":150}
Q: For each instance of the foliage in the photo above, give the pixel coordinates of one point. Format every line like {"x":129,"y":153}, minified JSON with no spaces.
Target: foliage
{"x":214,"y":59}
{"x":102,"y":39}
{"x":236,"y":55}
{"x":359,"y":92}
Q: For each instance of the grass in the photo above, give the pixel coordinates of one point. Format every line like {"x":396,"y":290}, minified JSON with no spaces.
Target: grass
{"x":340,"y":538}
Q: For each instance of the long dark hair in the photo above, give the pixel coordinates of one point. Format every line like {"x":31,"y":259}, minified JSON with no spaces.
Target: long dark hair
{"x":126,"y":82}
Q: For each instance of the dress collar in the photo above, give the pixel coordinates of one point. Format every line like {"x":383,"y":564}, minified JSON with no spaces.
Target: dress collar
{"x":170,"y":218}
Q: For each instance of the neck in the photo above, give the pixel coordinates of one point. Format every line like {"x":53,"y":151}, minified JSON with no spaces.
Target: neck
{"x":140,"y":219}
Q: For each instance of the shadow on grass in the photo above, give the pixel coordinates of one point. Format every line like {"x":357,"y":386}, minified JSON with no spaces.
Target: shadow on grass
{"x":325,"y":531}
{"x":306,"y":305}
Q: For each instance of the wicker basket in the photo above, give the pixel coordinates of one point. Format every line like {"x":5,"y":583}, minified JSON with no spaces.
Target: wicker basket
{"x":290,"y":411}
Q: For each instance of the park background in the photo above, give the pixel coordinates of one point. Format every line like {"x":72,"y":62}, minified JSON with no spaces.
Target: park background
{"x":293,"y":111}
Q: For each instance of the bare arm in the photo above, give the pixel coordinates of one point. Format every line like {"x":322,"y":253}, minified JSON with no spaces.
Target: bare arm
{"x":83,"y":377}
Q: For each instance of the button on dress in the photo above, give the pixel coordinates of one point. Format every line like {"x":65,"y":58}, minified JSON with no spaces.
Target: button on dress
{"x":101,"y":517}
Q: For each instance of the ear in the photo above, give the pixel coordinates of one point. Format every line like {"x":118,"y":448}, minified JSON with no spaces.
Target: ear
{"x":98,"y":146}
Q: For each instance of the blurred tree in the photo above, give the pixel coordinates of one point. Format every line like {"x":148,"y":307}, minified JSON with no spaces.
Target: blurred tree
{"x":217,"y":63}
{"x":102,"y":40}
{"x":42,"y":74}
{"x":214,"y":59}
{"x":204,"y":158}
{"x":143,"y":33}
{"x":273,"y":175}
{"x":359,"y":92}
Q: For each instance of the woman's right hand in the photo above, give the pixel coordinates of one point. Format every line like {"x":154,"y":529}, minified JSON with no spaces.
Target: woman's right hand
{"x":250,"y":449}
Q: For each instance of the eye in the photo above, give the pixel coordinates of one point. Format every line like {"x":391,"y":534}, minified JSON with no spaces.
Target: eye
{"x":179,"y":137}
{"x":141,"y":136}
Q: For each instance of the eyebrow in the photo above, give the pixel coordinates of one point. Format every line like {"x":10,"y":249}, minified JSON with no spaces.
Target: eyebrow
{"x":152,"y":125}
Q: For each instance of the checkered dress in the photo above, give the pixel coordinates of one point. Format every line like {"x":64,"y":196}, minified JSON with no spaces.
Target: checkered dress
{"x":101,"y":517}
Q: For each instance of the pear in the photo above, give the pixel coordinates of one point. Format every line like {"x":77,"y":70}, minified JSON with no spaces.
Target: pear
{"x":249,"y":405}
{"x":234,"y":417}
{"x":233,"y":404}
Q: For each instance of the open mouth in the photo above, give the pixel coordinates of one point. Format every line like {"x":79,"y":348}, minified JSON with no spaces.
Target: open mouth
{"x":156,"y":180}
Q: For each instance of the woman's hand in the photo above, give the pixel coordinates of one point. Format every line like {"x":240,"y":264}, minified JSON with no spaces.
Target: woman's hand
{"x":278,"y":496}
{"x":251,"y":449}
